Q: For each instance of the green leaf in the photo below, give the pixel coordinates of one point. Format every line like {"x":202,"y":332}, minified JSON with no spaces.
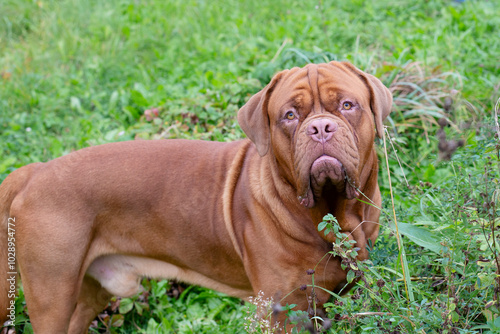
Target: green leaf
{"x":217,"y":310}
{"x":138,"y":308}
{"x":329,"y":217}
{"x":454,"y":316}
{"x":420,"y":236}
{"x":350,"y":276}
{"x":138,"y":98}
{"x":429,"y":173}
{"x":152,"y":327}
{"x":117,"y":320}
{"x":126,"y":304}
{"x":322,"y":225}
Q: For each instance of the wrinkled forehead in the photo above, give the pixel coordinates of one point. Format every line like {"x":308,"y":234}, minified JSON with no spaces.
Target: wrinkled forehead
{"x":318,"y":84}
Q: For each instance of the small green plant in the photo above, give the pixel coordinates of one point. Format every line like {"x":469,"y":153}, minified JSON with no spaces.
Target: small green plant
{"x":343,"y":247}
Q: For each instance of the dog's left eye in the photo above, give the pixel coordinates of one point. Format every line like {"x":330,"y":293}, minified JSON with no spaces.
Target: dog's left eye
{"x":290,"y":115}
{"x":347,"y":105}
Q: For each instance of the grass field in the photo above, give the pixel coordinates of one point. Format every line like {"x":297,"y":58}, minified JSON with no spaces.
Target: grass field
{"x":76,"y":73}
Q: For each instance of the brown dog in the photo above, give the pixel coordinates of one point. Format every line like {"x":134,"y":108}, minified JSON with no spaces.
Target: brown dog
{"x":236,"y":217}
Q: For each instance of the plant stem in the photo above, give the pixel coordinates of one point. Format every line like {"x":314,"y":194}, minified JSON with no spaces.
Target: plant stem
{"x":401,"y":251}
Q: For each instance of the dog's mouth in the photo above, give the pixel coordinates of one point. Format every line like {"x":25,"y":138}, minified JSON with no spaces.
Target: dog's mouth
{"x":327,"y":171}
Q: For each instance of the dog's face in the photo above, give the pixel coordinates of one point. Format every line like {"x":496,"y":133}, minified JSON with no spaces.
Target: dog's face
{"x":319,"y":123}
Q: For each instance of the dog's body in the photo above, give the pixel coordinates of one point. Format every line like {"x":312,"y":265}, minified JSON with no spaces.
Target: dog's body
{"x":237,"y":217}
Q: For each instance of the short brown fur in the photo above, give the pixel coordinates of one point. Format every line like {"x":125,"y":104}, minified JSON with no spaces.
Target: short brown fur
{"x":237,"y":217}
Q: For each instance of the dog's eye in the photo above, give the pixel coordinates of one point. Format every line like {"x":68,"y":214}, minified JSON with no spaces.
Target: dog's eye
{"x":347,"y":105}
{"x":290,"y":115}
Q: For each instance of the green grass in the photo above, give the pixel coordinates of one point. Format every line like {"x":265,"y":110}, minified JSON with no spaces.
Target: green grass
{"x":79,"y":73}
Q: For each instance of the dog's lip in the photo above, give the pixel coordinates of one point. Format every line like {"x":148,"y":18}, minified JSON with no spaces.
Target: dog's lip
{"x":321,"y":169}
{"x":327,"y":168}
{"x":326,"y":158}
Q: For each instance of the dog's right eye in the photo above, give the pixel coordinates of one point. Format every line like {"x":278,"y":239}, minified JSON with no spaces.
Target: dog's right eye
{"x":347,"y":105}
{"x":290,"y":115}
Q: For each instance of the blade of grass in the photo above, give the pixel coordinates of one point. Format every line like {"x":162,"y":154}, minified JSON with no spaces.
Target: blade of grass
{"x":402,"y":255}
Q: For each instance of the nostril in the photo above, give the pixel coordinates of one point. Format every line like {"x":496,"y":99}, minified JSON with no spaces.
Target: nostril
{"x":331,"y":127}
{"x":313,"y":130}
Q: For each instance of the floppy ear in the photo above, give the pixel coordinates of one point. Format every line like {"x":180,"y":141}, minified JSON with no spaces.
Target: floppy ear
{"x":253,"y":117}
{"x":380,"y":97}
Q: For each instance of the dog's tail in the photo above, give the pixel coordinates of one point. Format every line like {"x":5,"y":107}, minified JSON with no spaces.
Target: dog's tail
{"x":9,"y":189}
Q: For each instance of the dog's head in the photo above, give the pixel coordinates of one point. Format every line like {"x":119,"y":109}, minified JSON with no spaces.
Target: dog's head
{"x":319,"y":123}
